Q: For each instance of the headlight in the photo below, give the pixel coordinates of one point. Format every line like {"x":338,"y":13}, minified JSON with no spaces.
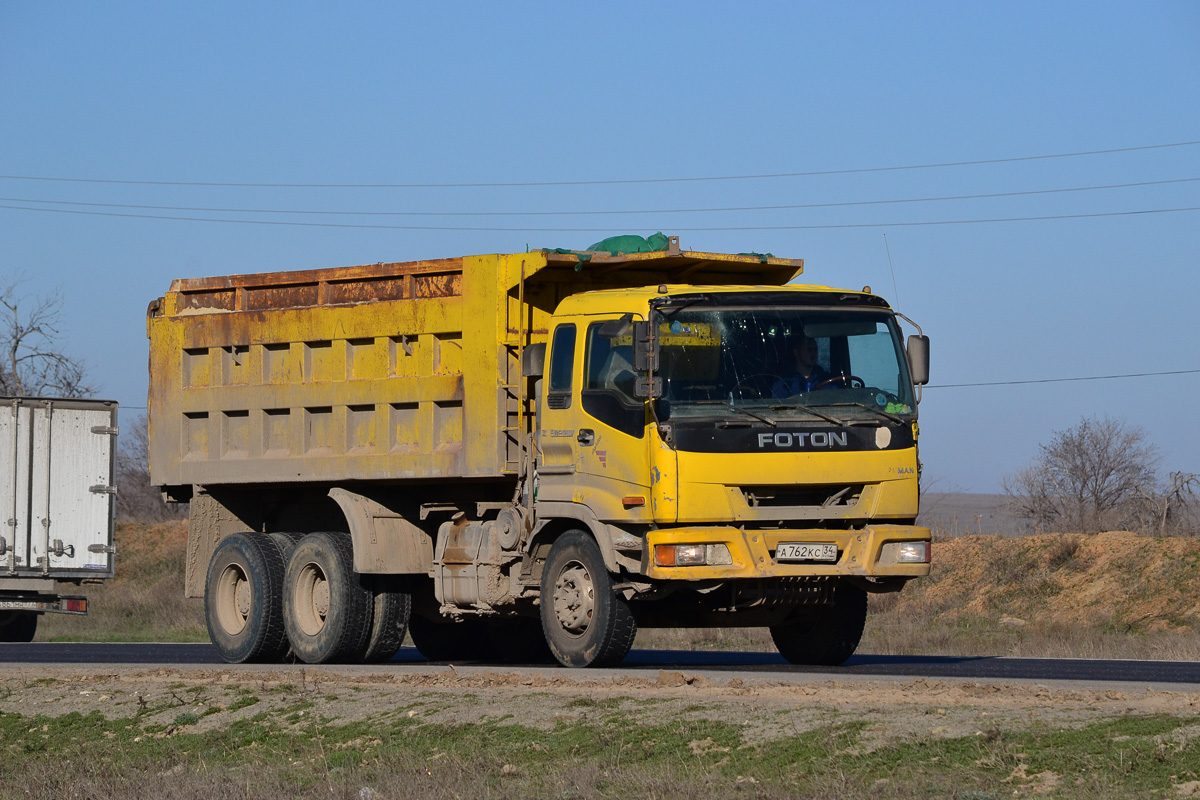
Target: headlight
{"x":692,"y":555}
{"x":905,"y":553}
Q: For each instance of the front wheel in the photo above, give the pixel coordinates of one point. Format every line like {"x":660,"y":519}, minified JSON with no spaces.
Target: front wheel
{"x":18,"y":626}
{"x":824,"y":635}
{"x":586,"y":623}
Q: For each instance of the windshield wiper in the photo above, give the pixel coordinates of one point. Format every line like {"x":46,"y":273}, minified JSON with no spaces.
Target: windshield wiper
{"x":729,"y":404}
{"x":813,"y":411}
{"x":872,"y":409}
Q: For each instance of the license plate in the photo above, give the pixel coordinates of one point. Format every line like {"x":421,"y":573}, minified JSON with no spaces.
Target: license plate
{"x":803,"y":551}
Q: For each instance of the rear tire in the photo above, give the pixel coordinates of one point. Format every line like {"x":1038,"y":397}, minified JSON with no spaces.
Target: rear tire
{"x":824,"y":635}
{"x":586,"y":624}
{"x":390,"y":614}
{"x":18,"y":626}
{"x":326,"y":609}
{"x":243,"y":599}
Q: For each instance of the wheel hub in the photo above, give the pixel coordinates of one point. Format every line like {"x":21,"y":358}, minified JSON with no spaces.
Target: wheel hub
{"x":312,"y":599}
{"x":574,"y":598}
{"x":233,"y":600}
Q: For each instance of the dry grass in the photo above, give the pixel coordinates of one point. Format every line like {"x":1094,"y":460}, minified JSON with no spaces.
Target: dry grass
{"x":145,"y":601}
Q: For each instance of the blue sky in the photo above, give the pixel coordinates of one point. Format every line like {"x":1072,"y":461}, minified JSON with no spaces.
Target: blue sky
{"x":507,"y":93}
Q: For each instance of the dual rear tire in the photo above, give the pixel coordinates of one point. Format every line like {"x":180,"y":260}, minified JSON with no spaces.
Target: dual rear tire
{"x":268,"y":594}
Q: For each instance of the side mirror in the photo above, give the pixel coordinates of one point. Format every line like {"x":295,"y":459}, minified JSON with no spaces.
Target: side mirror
{"x":918,"y":359}
{"x":533,"y":361}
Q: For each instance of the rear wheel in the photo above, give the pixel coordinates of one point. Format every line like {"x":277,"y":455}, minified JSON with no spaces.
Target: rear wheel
{"x":585,"y":622}
{"x":824,"y":635}
{"x":326,"y":609}
{"x":18,"y":626}
{"x":243,"y":599}
{"x":391,"y":611}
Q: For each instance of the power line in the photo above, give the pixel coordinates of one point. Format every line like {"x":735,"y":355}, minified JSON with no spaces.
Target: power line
{"x":701,"y":229}
{"x":1066,"y":380}
{"x":721,"y":209}
{"x":1002,"y":383}
{"x":622,"y":181}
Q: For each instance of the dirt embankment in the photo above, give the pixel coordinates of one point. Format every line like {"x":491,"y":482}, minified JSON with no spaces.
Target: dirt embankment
{"x":1119,"y":579}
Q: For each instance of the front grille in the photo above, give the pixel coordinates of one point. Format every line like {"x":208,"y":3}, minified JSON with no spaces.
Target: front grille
{"x":774,"y":592}
{"x":839,"y":496}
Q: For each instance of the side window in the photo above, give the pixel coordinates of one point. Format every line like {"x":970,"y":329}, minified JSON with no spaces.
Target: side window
{"x":608,"y":383}
{"x":562,"y":364}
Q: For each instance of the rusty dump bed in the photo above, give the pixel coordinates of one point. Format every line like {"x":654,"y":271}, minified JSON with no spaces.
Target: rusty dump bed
{"x":382,"y":372}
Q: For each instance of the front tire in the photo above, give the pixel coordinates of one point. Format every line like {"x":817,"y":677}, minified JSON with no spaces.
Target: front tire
{"x":326,"y":609}
{"x":585,"y":622}
{"x":18,"y":626}
{"x":243,"y":599}
{"x":824,"y":635}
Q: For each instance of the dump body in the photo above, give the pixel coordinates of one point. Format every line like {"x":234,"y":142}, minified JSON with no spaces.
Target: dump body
{"x":386,"y":372}
{"x":58,"y":500}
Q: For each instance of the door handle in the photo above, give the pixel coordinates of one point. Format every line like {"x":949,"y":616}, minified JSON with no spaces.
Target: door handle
{"x":586,"y":436}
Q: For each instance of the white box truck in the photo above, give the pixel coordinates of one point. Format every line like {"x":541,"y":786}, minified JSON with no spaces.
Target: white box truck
{"x":57,"y":501}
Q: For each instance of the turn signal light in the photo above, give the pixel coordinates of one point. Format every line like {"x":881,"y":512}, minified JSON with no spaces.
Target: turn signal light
{"x":692,"y":555}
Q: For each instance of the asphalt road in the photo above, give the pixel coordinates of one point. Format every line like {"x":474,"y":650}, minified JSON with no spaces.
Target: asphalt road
{"x":763,"y":665}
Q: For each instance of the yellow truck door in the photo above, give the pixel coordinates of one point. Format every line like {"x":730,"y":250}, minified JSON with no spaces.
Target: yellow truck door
{"x":595,"y":441}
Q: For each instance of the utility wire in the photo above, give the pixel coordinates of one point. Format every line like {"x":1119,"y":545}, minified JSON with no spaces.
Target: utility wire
{"x":996,"y":383}
{"x":625,"y":181}
{"x":1065,"y":380}
{"x":701,"y":229}
{"x":723,"y":209}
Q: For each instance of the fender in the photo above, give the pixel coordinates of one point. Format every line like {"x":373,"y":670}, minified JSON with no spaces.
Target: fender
{"x":613,"y":541}
{"x":384,"y":540}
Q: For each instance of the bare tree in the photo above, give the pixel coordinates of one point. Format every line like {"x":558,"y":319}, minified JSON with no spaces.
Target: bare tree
{"x":31,"y":361}
{"x":1173,"y":507}
{"x":137,"y":500}
{"x":1089,"y":478}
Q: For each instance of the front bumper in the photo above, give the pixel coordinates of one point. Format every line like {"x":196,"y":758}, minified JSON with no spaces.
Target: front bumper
{"x":859,"y":552}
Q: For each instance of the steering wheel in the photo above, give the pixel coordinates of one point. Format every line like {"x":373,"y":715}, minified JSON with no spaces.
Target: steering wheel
{"x":848,"y":381}
{"x":760,"y":385}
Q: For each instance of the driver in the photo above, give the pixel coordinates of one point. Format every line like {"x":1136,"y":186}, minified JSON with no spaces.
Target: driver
{"x":806,"y":373}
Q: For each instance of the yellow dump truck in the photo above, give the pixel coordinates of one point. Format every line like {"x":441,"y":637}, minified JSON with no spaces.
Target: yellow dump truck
{"x":527,"y":456}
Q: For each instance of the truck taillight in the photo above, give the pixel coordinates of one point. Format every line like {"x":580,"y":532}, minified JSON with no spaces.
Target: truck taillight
{"x":77,"y":604}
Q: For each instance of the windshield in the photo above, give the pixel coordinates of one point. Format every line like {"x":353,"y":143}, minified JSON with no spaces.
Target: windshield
{"x":843,"y":363}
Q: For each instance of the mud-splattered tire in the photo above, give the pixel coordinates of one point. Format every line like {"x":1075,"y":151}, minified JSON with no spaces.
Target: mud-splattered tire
{"x":285,"y":541}
{"x":390,"y":613}
{"x":585,"y":623}
{"x":451,"y":641}
{"x":18,"y":626}
{"x":326,"y":608}
{"x":824,"y":635}
{"x":243,"y":599}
